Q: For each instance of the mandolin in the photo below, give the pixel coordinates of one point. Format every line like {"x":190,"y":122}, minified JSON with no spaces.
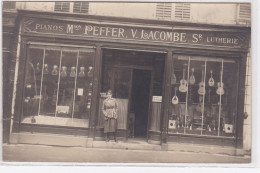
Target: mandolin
{"x":192,"y":77}
{"x":183,"y":83}
{"x":201,"y":90}
{"x":175,"y":99}
{"x":211,"y":80}
{"x":173,"y":78}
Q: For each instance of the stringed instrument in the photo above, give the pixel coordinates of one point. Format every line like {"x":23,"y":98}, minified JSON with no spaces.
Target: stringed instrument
{"x":192,"y":77}
{"x":173,"y":78}
{"x":63,"y":71}
{"x":201,"y":90}
{"x":45,"y":69}
{"x":82,"y":71}
{"x":54,"y":70}
{"x":175,"y":99}
{"x":90,"y":71}
{"x":73,"y":72}
{"x":220,"y":90}
{"x":183,"y":83}
{"x":38,"y":69}
{"x":211,"y":80}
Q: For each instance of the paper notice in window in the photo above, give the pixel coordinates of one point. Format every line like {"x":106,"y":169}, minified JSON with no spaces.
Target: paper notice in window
{"x":80,"y":91}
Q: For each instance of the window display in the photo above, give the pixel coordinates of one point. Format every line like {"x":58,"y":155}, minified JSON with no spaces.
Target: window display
{"x":57,"y":91}
{"x":203,"y":96}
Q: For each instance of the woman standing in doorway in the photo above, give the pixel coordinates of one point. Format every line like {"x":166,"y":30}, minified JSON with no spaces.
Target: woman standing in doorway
{"x":109,"y":109}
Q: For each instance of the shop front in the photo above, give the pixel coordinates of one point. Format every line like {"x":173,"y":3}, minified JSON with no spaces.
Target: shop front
{"x":173,"y":82}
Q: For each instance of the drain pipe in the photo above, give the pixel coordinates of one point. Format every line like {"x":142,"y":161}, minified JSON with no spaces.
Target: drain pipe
{"x":15,"y":80}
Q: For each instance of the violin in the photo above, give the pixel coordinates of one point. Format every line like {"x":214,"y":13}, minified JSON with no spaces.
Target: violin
{"x":173,"y":78}
{"x":45,"y":69}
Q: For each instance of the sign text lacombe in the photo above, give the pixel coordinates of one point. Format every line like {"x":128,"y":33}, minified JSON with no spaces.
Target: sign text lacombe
{"x":134,"y":33}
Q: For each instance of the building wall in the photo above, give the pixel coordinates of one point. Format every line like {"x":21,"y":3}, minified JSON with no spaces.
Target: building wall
{"x":224,"y":14}
{"x":199,"y":12}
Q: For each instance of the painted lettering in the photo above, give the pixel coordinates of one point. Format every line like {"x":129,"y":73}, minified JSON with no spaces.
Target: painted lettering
{"x":70,"y":29}
{"x":121,"y":32}
{"x":133,"y":33}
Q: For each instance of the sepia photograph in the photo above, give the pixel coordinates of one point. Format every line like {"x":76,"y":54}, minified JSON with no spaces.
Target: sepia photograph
{"x":126,"y":82}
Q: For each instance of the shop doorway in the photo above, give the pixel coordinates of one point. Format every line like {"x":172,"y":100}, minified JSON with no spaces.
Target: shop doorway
{"x":140,"y":95}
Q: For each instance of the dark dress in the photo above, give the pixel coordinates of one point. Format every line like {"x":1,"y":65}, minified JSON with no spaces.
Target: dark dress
{"x":109,"y":109}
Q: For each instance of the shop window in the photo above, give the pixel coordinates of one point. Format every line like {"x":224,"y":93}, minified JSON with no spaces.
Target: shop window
{"x":81,"y":7}
{"x":203,"y":96}
{"x":9,"y":5}
{"x":163,"y":10}
{"x":58,"y":86}
{"x":62,"y":6}
{"x":244,"y":14}
{"x":182,"y":11}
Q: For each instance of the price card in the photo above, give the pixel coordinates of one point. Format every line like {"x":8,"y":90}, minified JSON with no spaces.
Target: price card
{"x":80,"y":91}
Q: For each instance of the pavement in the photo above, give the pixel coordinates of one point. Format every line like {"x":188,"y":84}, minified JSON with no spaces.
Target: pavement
{"x":45,"y":153}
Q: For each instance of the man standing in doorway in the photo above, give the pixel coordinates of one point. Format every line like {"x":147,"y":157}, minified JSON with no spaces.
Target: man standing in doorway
{"x":109,"y":109}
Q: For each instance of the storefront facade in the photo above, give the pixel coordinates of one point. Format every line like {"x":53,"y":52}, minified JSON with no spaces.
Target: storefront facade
{"x":174,"y":82}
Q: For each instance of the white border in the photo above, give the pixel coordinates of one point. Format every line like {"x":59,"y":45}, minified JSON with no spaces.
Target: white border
{"x":17,"y":167}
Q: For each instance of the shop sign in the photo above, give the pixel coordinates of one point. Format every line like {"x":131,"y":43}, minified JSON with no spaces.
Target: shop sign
{"x":157,"y":99}
{"x":109,"y":31}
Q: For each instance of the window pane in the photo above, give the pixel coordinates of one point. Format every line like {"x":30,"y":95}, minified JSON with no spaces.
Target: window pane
{"x":58,"y":88}
{"x":33,"y":75}
{"x":201,"y":104}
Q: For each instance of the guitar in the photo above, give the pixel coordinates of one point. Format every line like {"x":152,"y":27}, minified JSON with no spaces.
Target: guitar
{"x":63,"y":71}
{"x":73,"y":72}
{"x":211,"y":80}
{"x":183,"y":83}
{"x":192,"y":77}
{"x":82,"y":71}
{"x":201,"y":90}
{"x":175,"y":99}
{"x":54,"y":70}
{"x":220,"y":90}
{"x":173,"y":78}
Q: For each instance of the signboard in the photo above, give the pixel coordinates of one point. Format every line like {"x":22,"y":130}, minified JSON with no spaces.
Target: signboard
{"x":157,"y":99}
{"x":110,"y":31}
